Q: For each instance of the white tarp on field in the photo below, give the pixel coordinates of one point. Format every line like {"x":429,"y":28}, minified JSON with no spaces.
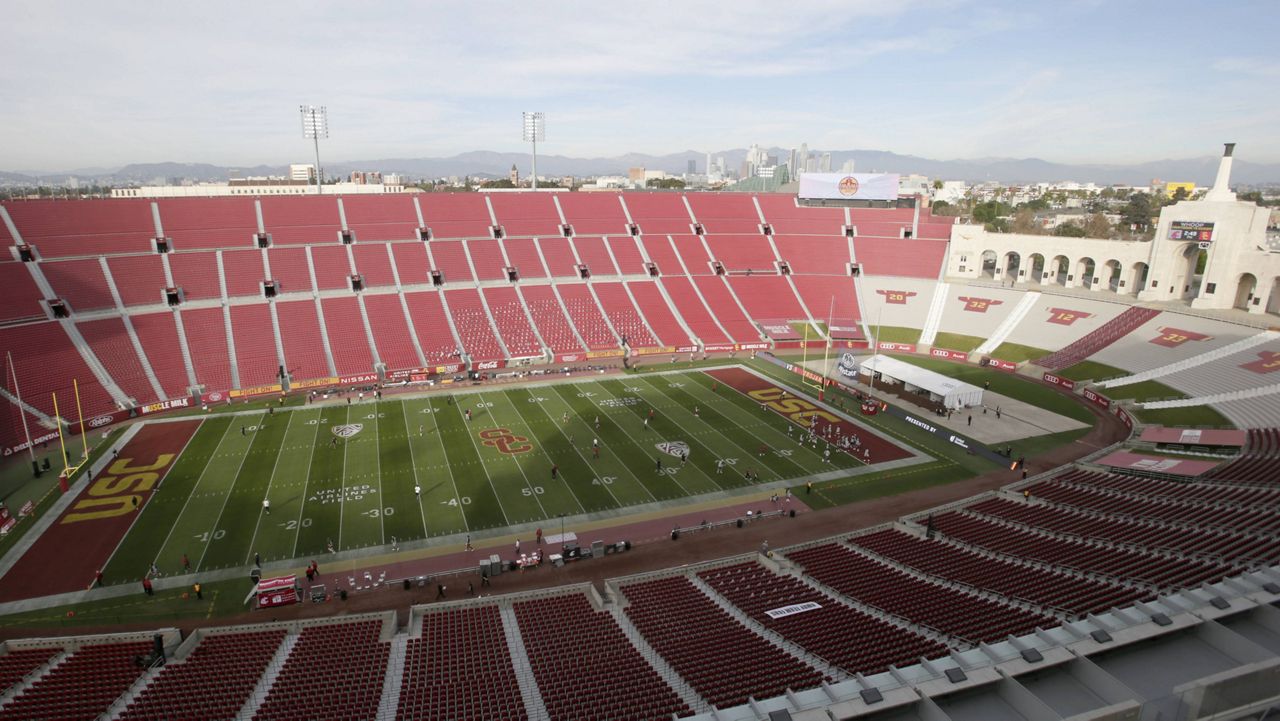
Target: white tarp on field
{"x":849,"y":186}
{"x":951,"y":392}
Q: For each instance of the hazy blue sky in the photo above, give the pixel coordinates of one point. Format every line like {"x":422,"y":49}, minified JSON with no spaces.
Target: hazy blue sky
{"x":106,"y":83}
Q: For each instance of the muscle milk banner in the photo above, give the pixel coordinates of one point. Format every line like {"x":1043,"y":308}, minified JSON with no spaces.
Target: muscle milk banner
{"x":849,"y":186}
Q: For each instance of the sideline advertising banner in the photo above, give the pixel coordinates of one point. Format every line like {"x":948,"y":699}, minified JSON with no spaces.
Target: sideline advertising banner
{"x":849,"y":186}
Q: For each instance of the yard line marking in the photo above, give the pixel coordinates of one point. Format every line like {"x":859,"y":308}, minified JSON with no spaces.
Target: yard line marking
{"x":342,"y":494}
{"x":435,"y":422}
{"x":643,"y":451}
{"x":274,"y":466}
{"x":377,"y":463}
{"x":703,"y":391}
{"x":542,"y":452}
{"x":528,"y":484}
{"x":191,"y":495}
{"x":422,"y":513}
{"x":214,"y":530}
{"x":575,"y":448}
{"x":483,"y":467}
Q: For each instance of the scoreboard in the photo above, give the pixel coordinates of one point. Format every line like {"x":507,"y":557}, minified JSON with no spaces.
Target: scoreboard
{"x":1191,"y":230}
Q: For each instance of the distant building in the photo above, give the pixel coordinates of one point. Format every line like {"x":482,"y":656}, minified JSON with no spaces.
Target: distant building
{"x":691,"y":167}
{"x":302,"y":171}
{"x":1171,"y":189}
{"x":514,"y":175}
{"x":361,"y":177}
{"x":635,"y":174}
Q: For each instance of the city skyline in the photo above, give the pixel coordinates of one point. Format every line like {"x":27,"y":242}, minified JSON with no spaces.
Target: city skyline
{"x":113,"y":83}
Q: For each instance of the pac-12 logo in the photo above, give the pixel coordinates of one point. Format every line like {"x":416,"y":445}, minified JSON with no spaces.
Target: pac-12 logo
{"x":848,"y":186}
{"x":347,"y":430}
{"x":679,"y":449}
{"x":505,"y":441}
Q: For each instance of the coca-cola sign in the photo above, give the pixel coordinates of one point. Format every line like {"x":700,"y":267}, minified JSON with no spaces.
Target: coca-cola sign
{"x":487,"y":365}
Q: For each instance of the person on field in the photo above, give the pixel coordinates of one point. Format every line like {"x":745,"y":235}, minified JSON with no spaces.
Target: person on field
{"x":266,"y":506}
{"x":198,"y":590}
{"x":186,"y":563}
{"x":146,"y":586}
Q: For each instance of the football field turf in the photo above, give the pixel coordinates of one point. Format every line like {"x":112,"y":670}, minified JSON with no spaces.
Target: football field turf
{"x":344,"y":475}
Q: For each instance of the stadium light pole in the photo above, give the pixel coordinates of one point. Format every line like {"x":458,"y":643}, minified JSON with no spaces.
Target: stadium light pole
{"x":315,"y":125}
{"x":535,"y":129}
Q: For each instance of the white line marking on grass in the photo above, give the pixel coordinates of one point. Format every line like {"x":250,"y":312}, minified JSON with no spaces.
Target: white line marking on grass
{"x":306,"y":484}
{"x":484,"y":468}
{"x":639,"y":447}
{"x":448,"y":466}
{"x":213,"y":533}
{"x":542,"y":452}
{"x":625,"y":467}
{"x":527,"y":483}
{"x":422,"y":513}
{"x":377,"y":464}
{"x":191,"y":495}
{"x":342,"y":494}
{"x":274,"y":466}
{"x":804,"y":429}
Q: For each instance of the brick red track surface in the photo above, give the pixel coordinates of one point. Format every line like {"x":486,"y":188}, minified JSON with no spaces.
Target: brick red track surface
{"x":66,"y":557}
{"x":881,"y":449}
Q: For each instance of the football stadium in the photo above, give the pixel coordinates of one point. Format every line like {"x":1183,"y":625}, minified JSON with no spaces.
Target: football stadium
{"x":551,"y":454}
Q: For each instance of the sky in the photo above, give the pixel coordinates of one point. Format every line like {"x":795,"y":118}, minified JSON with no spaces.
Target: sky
{"x":106,"y":83}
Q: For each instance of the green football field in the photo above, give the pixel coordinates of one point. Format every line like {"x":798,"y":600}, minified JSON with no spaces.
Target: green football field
{"x":345,"y":474}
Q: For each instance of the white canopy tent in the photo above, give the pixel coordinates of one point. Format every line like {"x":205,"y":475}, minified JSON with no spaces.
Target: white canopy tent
{"x":948,"y":391}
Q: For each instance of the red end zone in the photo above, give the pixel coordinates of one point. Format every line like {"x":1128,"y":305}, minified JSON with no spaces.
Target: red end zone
{"x":800,"y":411}
{"x":66,"y":557}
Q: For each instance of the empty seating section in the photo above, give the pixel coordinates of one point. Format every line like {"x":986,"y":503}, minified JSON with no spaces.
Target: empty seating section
{"x":593,"y":213}
{"x":559,"y":257}
{"x":595,"y":255}
{"x":348,"y":340}
{"x":1056,"y":322}
{"x":932,"y":605}
{"x":767,"y":298}
{"x":523,"y":255}
{"x":380,"y":217}
{"x":838,"y":634}
{"x":623,"y":315}
{"x":158,"y":335}
{"x":659,"y":213}
{"x":1249,"y":368}
{"x":814,"y":256}
{"x":935,"y":227}
{"x":1218,"y":490}
{"x":526,"y":214}
{"x":1043,"y":587}
{"x":1113,"y":330}
{"x":64,"y":228}
{"x":473,"y":324}
{"x":737,"y":253}
{"x":663,"y":254}
{"x":726,"y":310}
{"x":373,"y":264}
{"x":255,"y":340}
{"x":19,"y":295}
{"x":832,"y":296}
{"x":508,"y":313}
{"x":1158,"y":571}
{"x":335,"y":671}
{"x":977,"y":312}
{"x":431,"y":325}
{"x":1257,"y":411}
{"x":450,"y":258}
{"x":391,"y":331}
{"x":1240,"y":549}
{"x":695,"y":314}
{"x":332,"y":266}
{"x":486,"y":256}
{"x":197,"y":275}
{"x":300,"y":335}
{"x":620,"y":685}
{"x":460,"y":669}
{"x":725,"y":213}
{"x":213,"y":682}
{"x":17,"y":664}
{"x":289,"y":269}
{"x":694,"y":254}
{"x":80,"y":283}
{"x":658,"y":313}
{"x":1065,"y":492}
{"x":139,"y":278}
{"x":81,"y":687}
{"x":412,"y":264}
{"x":301,"y":219}
{"x":786,"y":217}
{"x":207,"y":341}
{"x":109,"y":341}
{"x":627,"y":254}
{"x":585,"y":316}
{"x":1168,"y":338}
{"x":456,"y":215}
{"x":243,"y":271}
{"x":207,"y":223}
{"x":1258,"y":463}
{"x":909,"y":258}
{"x":724,"y":661}
{"x":45,"y":361}
{"x":550,"y":319}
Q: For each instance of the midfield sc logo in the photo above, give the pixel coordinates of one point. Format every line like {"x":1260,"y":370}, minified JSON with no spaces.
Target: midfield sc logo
{"x":347,"y":430}
{"x":679,"y":449}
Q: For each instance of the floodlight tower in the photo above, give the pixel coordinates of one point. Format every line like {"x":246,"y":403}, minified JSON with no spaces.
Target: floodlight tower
{"x":535,"y":129}
{"x":315,"y":125}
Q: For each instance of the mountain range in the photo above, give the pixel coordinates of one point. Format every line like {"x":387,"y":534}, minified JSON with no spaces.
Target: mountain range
{"x":491,"y":164}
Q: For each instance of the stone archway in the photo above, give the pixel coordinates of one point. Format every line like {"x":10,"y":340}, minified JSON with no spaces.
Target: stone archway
{"x":1188,"y":285}
{"x":1111,"y":275}
{"x":1036,"y":272}
{"x":989,"y":267}
{"x":1085,"y":270}
{"x":1246,"y":286}
{"x":1013,"y":264}
{"x":1138,"y":277}
{"x":1061,"y":270}
{"x":1273,"y":302}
